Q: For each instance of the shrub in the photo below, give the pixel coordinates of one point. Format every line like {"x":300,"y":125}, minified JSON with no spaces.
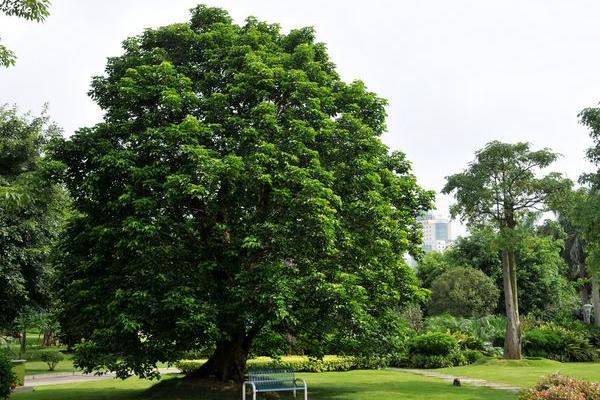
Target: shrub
{"x":558,"y":343}
{"x":52,"y":358}
{"x":558,"y":387}
{"x":433,"y":344}
{"x":542,"y":342}
{"x":299,"y":363}
{"x":432,"y":361}
{"x":486,"y":328}
{"x":472,"y":356}
{"x":464,"y":292}
{"x":7,"y":377}
{"x":467,"y":341}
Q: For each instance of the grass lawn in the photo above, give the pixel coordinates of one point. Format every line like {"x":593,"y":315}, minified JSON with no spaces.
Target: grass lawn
{"x":34,"y":366}
{"x":40,"y":367}
{"x":353,"y":385}
{"x":524,"y":373}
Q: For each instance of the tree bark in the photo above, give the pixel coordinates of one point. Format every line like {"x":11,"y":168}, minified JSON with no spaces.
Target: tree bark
{"x":48,"y":338}
{"x":512,"y":340}
{"x":23,"y":349}
{"x":228,"y":362}
{"x":596,"y":299}
{"x":584,"y":294}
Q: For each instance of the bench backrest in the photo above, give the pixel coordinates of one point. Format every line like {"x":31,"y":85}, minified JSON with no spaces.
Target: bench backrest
{"x":272,"y":378}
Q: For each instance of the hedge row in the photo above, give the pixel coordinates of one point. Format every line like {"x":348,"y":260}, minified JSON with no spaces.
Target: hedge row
{"x":298,"y":363}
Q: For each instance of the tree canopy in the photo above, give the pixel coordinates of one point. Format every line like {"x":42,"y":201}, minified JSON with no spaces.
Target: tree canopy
{"x":542,"y":273}
{"x":31,"y":212}
{"x":463,"y":291}
{"x":32,"y":10}
{"x":236,"y":185}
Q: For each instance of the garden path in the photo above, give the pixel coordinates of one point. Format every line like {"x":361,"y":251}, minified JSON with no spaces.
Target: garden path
{"x":32,"y":381}
{"x":463,"y":379}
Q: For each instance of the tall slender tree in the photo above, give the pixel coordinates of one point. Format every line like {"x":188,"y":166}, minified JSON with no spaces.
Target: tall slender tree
{"x":499,"y":188}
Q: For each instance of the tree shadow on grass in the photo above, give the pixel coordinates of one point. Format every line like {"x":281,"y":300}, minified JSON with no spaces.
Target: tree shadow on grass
{"x":105,"y":393}
{"x":408,"y":390}
{"x":183,"y":389}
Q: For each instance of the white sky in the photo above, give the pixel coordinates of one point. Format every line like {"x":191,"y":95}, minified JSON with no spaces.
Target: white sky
{"x":457,"y":73}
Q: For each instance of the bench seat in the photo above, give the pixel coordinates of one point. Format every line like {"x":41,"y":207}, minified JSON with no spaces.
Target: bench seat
{"x":273,"y":380}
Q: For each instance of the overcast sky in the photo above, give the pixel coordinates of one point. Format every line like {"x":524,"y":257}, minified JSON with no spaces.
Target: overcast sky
{"x":457,"y":73}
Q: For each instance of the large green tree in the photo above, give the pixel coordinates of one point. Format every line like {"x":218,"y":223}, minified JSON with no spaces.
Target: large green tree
{"x":31,"y":213}
{"x":32,"y":10}
{"x":499,"y":188}
{"x":237,"y":184}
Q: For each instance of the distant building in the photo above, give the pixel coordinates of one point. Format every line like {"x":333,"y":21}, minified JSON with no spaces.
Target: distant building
{"x":437,"y":233}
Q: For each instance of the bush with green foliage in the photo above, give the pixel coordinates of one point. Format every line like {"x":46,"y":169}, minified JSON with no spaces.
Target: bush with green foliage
{"x":485,"y":334}
{"x":7,"y":377}
{"x":466,"y":341}
{"x":558,"y":343}
{"x":436,"y":350}
{"x":486,"y":328}
{"x":433,"y":344}
{"x":558,"y":387}
{"x":298,"y":363}
{"x":463,"y":291}
{"x":52,"y":358}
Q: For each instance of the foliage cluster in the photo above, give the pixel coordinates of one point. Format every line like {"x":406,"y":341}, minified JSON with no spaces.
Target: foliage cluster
{"x":558,"y":343}
{"x":7,"y":377}
{"x":297,"y":363}
{"x":31,"y":213}
{"x":542,"y":276}
{"x":442,"y":349}
{"x":558,"y":387}
{"x":463,"y":291}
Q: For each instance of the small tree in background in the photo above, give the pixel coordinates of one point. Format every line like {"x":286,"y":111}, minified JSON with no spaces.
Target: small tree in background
{"x":430,"y":266}
{"x":499,"y":188}
{"x":463,"y":292}
{"x":32,"y":213}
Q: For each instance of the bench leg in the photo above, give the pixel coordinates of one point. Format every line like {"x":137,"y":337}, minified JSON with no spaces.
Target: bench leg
{"x":305,"y":393}
{"x":294,"y":393}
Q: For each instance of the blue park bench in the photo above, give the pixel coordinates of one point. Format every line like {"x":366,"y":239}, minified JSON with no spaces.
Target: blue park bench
{"x":273,"y":380}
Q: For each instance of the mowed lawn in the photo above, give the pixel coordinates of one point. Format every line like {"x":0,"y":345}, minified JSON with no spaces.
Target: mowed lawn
{"x":358,"y":385}
{"x":40,"y":367}
{"x":524,"y":373}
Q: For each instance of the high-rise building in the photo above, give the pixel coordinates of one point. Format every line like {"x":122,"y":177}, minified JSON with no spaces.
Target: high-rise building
{"x":437,"y":233}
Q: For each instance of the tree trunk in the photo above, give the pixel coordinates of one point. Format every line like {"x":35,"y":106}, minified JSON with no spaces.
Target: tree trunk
{"x":48,"y":338}
{"x":228,"y":362}
{"x":512,"y":340}
{"x":23,"y":348}
{"x":584,"y":294}
{"x":596,"y":299}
